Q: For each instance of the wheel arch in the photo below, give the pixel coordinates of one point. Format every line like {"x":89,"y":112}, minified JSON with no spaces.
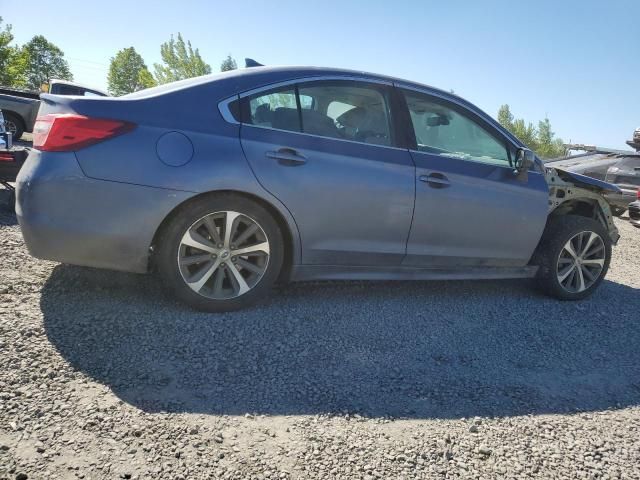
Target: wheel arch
{"x":284,"y":220}
{"x":581,"y":206}
{"x":590,"y":207}
{"x":15,"y":114}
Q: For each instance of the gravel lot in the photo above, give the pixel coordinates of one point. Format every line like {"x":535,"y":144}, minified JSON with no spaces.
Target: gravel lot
{"x":103,"y":376}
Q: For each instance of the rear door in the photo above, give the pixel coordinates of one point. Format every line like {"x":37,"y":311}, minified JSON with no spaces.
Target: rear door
{"x":327,"y":150}
{"x":470,"y":211}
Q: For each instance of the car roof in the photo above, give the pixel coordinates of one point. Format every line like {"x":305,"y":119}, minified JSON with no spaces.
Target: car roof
{"x":256,"y":77}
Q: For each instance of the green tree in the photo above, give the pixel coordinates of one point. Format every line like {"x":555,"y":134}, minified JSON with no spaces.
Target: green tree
{"x":45,"y":61}
{"x":180,"y":61}
{"x":526,"y":132}
{"x":128,"y":73}
{"x":548,"y":145}
{"x":228,"y":64}
{"x":505,"y":117}
{"x":541,"y":140}
{"x":13,"y":60}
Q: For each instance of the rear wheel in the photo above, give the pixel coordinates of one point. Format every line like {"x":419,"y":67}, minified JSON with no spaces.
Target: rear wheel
{"x":220,"y":253}
{"x":573,"y":257}
{"x":13,"y":124}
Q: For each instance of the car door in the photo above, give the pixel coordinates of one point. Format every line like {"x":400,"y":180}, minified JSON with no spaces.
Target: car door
{"x":471,"y":210}
{"x":326,"y":149}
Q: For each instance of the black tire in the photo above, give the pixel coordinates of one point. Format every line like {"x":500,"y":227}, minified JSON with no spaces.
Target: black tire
{"x":13,"y":124}
{"x":169,"y":241}
{"x":618,"y":211}
{"x":559,"y":230}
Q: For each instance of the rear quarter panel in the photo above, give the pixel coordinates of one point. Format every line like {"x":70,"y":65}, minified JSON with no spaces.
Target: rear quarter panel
{"x":217,"y":163}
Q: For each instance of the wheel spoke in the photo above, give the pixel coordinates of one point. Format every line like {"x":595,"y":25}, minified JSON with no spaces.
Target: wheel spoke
{"x":198,"y":280}
{"x":251,"y":229}
{"x":568,"y":247}
{"x":592,"y":238}
{"x":580,"y":280}
{"x":562,"y":276}
{"x":249,"y":266}
{"x":229,"y":227}
{"x":217,"y":281}
{"x":194,"y":259}
{"x":194,"y":239}
{"x":259,"y":247}
{"x":212,"y":229}
{"x":594,"y":261}
{"x":597,"y":248}
{"x":240,"y":281}
{"x":586,"y":272}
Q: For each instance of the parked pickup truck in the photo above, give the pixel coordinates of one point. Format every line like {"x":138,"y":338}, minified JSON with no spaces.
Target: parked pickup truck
{"x":20,"y":107}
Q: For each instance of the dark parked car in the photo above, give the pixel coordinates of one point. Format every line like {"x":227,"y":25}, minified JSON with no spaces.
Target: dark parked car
{"x":225,"y":184}
{"x":626,"y":175}
{"x":621,"y":169}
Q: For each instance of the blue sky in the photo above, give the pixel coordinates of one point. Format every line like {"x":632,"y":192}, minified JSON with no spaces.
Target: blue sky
{"x":574,"y":61}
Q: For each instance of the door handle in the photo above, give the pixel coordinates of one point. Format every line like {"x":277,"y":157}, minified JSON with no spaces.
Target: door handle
{"x":435,"y":180}
{"x":287,"y":156}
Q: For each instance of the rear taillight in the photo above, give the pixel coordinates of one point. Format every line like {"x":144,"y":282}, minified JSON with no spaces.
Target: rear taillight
{"x":638,"y":194}
{"x":6,"y":157}
{"x":68,"y":132}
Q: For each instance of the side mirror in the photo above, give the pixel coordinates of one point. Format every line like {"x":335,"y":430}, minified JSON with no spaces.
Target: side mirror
{"x":525,"y":158}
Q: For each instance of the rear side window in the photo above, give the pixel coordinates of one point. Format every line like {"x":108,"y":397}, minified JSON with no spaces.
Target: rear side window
{"x":346,"y":110}
{"x":442,"y":129}
{"x":341,"y":109}
{"x":275,"y":109}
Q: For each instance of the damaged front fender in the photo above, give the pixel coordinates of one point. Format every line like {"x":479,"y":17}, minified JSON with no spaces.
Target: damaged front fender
{"x":567,"y":188}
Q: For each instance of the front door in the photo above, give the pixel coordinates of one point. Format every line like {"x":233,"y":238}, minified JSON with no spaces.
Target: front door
{"x":326,"y":150}
{"x":471,"y":210}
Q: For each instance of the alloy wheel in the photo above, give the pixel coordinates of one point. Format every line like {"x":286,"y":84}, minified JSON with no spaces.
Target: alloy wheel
{"x":581,"y":262}
{"x":223,"y":255}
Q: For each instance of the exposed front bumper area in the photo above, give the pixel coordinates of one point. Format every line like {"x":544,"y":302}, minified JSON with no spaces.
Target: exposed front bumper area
{"x":67,"y":217}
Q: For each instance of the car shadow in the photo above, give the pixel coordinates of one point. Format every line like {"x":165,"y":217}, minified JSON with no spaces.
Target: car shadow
{"x":401,"y":349}
{"x":7,"y":216}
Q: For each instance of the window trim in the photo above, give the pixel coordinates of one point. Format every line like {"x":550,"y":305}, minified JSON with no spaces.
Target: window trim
{"x":477,"y":116}
{"x":397,"y":144}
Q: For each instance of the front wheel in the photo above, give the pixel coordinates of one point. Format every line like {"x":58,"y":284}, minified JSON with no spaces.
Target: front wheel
{"x":220,"y":253}
{"x":573,"y":257}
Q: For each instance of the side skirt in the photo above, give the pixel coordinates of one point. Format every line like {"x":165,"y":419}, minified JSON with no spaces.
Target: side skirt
{"x":346,"y":272}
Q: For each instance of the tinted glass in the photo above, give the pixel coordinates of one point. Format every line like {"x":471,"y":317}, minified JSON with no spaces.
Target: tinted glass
{"x":274,"y":109}
{"x":346,"y":110}
{"x":443,"y":130}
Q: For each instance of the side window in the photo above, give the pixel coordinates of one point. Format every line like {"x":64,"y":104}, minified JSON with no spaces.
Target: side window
{"x":443,"y":129}
{"x":274,"y":109}
{"x":346,"y":110}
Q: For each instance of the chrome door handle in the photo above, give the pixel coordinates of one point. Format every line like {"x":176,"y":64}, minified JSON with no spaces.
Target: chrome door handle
{"x":287,"y":156}
{"x":435,"y":180}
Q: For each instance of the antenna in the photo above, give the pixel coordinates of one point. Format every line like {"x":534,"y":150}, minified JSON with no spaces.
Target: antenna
{"x":250,"y":62}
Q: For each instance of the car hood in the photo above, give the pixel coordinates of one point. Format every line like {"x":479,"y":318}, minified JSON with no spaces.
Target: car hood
{"x":586,"y":182}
